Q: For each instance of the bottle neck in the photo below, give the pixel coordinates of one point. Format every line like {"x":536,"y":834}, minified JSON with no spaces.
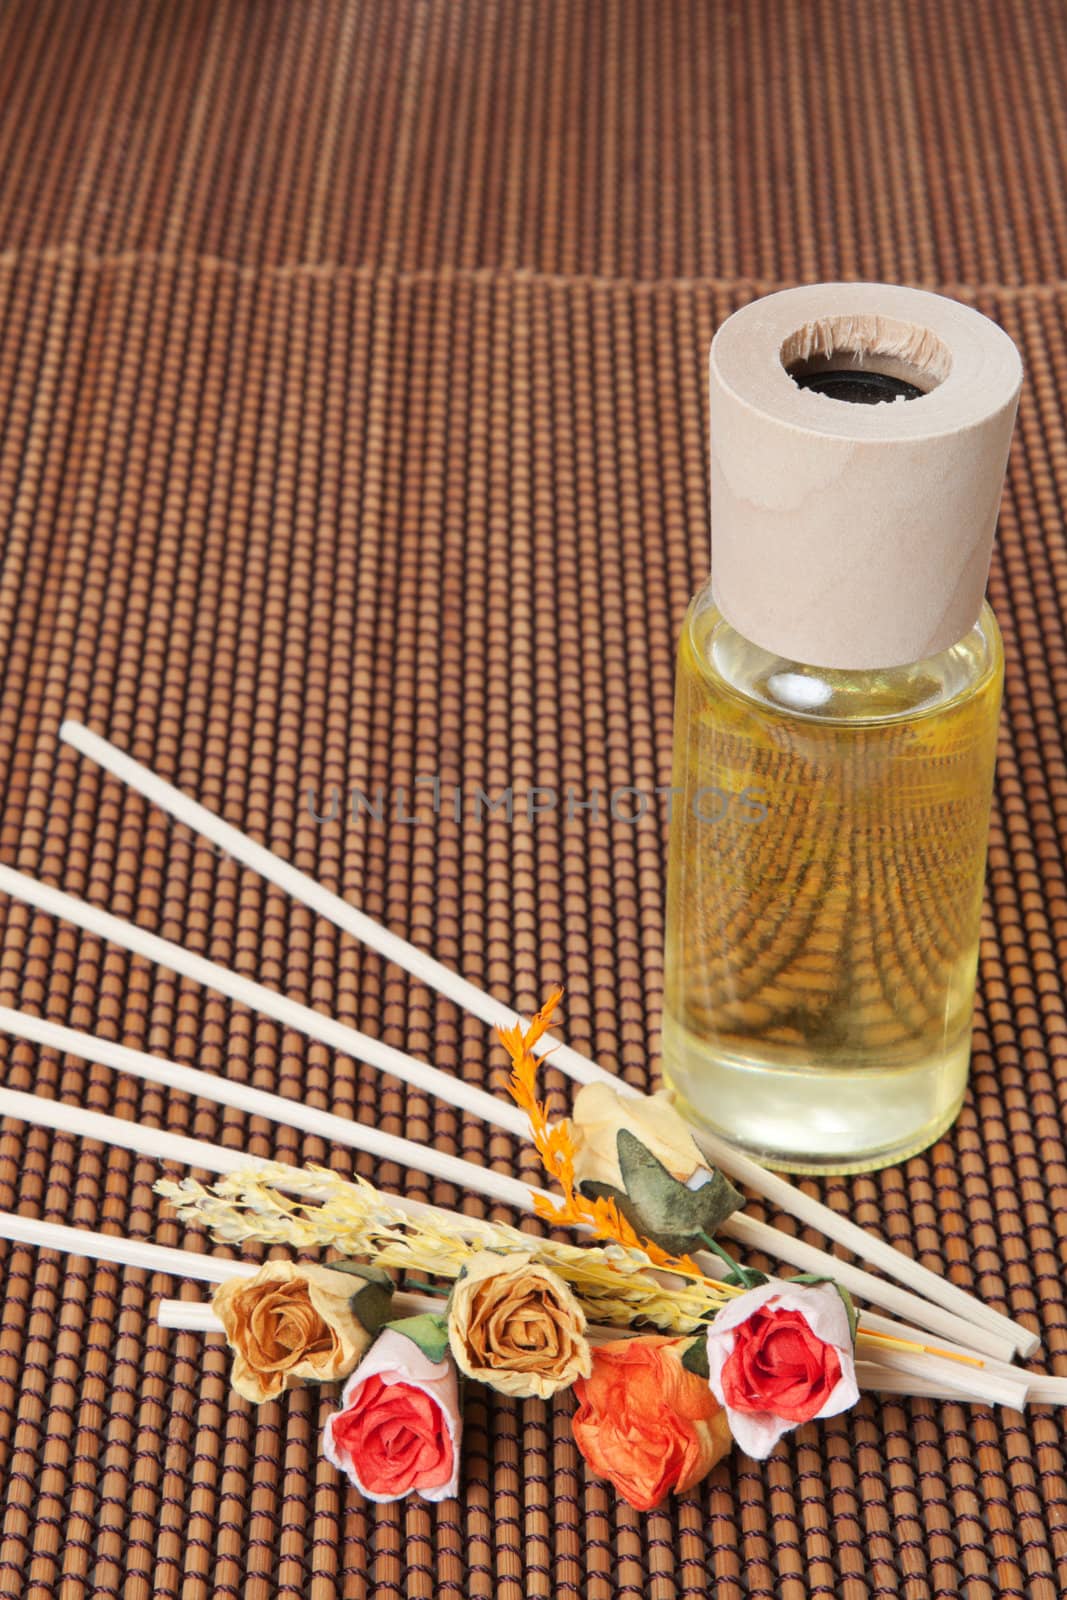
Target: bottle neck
{"x":838,"y":694}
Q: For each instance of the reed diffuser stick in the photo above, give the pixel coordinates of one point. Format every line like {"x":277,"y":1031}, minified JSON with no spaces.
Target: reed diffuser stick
{"x":124,"y":1251}
{"x":1053,"y":1389}
{"x":875,"y":1379}
{"x":160,"y":1145}
{"x":156,"y":1143}
{"x":127,"y":1252}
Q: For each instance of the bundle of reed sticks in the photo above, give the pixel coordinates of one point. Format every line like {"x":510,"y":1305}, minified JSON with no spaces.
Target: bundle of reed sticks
{"x":919,"y":1334}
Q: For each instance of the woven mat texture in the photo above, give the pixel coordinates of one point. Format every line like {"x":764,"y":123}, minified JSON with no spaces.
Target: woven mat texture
{"x":353,"y":431}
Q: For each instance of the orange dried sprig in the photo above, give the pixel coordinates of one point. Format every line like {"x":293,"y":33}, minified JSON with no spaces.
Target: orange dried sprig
{"x":555,"y":1145}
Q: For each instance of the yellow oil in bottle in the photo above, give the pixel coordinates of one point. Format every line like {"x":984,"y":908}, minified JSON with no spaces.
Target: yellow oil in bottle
{"x":827,"y":855}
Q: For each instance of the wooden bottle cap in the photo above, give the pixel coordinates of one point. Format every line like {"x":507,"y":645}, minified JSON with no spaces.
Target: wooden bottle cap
{"x":857,"y":535}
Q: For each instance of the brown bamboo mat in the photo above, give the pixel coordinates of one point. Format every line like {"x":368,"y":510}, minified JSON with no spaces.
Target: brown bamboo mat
{"x":353,"y":431}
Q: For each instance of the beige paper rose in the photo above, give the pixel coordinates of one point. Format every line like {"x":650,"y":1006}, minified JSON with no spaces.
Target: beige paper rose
{"x":598,"y":1114}
{"x":293,"y":1323}
{"x":516,"y":1326}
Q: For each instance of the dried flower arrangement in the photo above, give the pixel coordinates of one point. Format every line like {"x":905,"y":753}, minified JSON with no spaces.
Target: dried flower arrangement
{"x":740,"y":1358}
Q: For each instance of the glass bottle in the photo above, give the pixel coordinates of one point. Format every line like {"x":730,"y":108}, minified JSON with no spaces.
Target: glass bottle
{"x":838,"y":693}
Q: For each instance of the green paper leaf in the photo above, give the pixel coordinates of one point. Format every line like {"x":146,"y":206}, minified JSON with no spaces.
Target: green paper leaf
{"x":659,"y":1206}
{"x":850,"y":1309}
{"x":695,"y":1359}
{"x":371,"y":1303}
{"x":745,"y":1278}
{"x":428,"y":1331}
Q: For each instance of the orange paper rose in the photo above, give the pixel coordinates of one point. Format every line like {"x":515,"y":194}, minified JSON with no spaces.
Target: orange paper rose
{"x":645,"y":1422}
{"x":292,"y":1323}
{"x":515,"y":1325}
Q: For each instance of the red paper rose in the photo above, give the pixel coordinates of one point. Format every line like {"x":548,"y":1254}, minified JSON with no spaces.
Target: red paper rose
{"x":397,"y":1435}
{"x":778,"y":1356}
{"x":779,"y":1365}
{"x":397,"y":1432}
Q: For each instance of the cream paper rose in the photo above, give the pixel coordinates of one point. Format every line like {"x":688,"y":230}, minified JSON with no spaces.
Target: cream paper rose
{"x":294,"y":1323}
{"x":516,"y":1326}
{"x":599,"y":1113}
